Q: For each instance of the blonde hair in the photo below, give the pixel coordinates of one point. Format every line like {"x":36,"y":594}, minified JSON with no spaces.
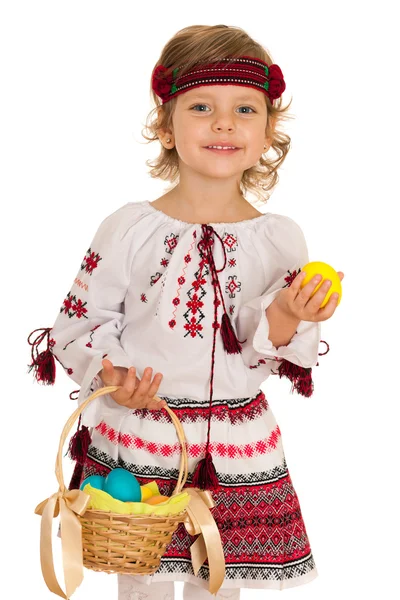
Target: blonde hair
{"x":207,"y":44}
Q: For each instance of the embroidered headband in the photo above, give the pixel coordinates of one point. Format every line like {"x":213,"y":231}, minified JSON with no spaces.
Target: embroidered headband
{"x":241,"y":70}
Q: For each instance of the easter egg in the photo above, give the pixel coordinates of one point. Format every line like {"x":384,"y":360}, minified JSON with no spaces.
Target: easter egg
{"x":96,"y":481}
{"x":146,"y":493}
{"x":327,"y":272}
{"x":123,"y":485}
{"x":157,"y":499}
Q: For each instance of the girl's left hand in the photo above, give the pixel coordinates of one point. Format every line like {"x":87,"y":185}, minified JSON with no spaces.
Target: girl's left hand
{"x":298,"y":303}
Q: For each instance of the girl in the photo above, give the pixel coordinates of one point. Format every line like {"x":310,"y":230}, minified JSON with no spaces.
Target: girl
{"x":195,"y":297}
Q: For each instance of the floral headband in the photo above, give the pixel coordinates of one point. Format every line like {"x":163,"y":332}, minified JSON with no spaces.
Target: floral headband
{"x":241,"y":70}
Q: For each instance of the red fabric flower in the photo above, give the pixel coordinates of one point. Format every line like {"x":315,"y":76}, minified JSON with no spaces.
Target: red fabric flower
{"x":161,"y":82}
{"x":277,"y":84}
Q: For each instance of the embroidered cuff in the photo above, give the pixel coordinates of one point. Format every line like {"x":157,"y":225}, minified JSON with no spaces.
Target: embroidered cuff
{"x":303,"y":348}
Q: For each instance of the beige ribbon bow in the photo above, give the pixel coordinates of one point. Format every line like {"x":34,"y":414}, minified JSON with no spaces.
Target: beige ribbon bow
{"x":199,"y":520}
{"x":67,"y":503}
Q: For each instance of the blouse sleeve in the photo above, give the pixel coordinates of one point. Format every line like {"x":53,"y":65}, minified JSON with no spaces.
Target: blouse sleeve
{"x":91,"y":316}
{"x":294,"y":360}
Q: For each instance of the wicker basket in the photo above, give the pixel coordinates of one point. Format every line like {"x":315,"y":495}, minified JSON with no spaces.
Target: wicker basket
{"x":115,"y":543}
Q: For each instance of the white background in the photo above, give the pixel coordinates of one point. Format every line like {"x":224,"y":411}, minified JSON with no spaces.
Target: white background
{"x":75,"y":80}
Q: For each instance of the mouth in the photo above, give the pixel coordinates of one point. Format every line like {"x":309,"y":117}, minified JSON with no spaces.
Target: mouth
{"x":223,"y":149}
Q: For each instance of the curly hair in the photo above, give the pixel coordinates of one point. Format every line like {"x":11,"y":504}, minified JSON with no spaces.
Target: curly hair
{"x":208,"y":44}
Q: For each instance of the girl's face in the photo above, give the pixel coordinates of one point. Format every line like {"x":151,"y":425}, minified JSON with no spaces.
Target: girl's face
{"x":220,"y":115}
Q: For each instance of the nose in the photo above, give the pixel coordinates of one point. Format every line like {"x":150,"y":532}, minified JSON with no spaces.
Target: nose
{"x":223,"y":121}
{"x":220,"y":128}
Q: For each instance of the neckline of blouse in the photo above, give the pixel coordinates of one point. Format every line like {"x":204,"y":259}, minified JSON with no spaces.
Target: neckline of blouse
{"x":186,"y":223}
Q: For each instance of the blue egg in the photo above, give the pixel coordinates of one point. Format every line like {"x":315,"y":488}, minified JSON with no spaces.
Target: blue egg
{"x":96,"y":481}
{"x":123,"y":485}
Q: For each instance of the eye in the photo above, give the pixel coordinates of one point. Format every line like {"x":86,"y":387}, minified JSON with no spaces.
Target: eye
{"x":248,"y":107}
{"x":196,"y":105}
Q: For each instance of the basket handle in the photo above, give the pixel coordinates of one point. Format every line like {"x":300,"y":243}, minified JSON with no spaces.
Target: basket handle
{"x":183,"y":471}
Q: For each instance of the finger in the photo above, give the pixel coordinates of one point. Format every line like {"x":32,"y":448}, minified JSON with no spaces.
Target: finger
{"x":296,"y":283}
{"x":305,"y":293}
{"x":108,"y":366}
{"x":155,"y":404}
{"x":123,"y":395}
{"x":106,"y":374}
{"x":150,"y":388}
{"x":153,"y":389}
{"x":328,"y":310}
{"x":144,"y":395}
{"x":316,"y":300}
{"x":142,"y":389}
{"x":130,"y":382}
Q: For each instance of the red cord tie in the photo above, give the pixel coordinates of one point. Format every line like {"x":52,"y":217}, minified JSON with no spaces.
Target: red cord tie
{"x":205,"y":475}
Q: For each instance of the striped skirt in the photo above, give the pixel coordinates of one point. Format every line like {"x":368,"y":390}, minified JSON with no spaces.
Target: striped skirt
{"x":257,"y":510}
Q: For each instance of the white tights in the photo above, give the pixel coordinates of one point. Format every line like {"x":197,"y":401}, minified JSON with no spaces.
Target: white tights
{"x":130,"y":588}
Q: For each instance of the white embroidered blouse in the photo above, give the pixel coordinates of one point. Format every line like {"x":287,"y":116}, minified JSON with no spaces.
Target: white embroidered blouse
{"x":143,"y":296}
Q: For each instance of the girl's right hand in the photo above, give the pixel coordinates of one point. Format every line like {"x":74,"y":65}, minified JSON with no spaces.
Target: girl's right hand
{"x":134,"y":393}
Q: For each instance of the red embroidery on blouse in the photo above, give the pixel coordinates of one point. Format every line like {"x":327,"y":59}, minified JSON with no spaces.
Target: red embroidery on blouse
{"x":171,"y":242}
{"x":89,"y":344}
{"x":233,"y":286}
{"x":230,"y":241}
{"x":90,"y":261}
{"x":74,"y":306}
{"x":181,"y":280}
{"x":195,"y":304}
{"x":262,"y":361}
{"x":289,"y":278}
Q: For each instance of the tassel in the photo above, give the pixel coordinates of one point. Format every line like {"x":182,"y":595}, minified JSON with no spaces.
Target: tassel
{"x":75,"y":482}
{"x":205,"y":475}
{"x":79,"y":444}
{"x":301,"y":377}
{"x":43,"y":364}
{"x":231,"y":343}
{"x":45,"y":368}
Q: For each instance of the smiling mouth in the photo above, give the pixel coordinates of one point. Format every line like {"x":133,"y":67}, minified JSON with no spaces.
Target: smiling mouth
{"x":222,"y":150}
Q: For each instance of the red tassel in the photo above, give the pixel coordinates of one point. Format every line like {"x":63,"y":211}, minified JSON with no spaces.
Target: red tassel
{"x":75,"y":482}
{"x":205,"y":475}
{"x":79,"y":444}
{"x":301,"y":377}
{"x":45,"y":368}
{"x":231,"y":343}
{"x":43,"y":364}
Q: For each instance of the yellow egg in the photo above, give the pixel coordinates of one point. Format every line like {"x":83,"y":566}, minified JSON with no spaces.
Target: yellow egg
{"x":146,"y":492}
{"x":327,"y":272}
